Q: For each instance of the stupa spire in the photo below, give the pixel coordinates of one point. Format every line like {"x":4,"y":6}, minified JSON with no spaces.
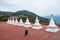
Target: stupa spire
{"x":37,"y":25}
{"x":12,"y":21}
{"x":20,"y":22}
{"x":52,"y":22}
{"x":27,"y":23}
{"x":8,"y":21}
{"x":37,"y":19}
{"x":16,"y":22}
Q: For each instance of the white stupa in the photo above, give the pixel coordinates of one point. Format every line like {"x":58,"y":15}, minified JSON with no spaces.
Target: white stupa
{"x":52,"y":27}
{"x":27,"y":23}
{"x":16,"y":22}
{"x":20,"y":22}
{"x":37,"y":25}
{"x":8,"y":21}
{"x":12,"y":21}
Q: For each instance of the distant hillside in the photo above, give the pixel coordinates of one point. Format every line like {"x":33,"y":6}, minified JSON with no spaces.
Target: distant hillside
{"x":24,"y":14}
{"x":5,"y":13}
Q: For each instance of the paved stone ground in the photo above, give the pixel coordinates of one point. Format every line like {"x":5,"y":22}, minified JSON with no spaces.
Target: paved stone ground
{"x":12,"y":32}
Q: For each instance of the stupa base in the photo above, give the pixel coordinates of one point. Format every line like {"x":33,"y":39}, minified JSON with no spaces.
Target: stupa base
{"x":9,"y":23}
{"x":20,"y":24}
{"x":27,"y":26}
{"x":52,"y":30}
{"x":12,"y":23}
{"x":36,"y":27}
{"x":16,"y":24}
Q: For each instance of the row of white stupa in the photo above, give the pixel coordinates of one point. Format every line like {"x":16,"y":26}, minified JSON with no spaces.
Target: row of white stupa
{"x":52,"y":27}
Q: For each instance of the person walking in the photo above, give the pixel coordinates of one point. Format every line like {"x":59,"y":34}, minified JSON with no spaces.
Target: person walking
{"x":26,"y":32}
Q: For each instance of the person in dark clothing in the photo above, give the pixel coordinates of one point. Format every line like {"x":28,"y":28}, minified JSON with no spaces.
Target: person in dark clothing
{"x":26,"y":32}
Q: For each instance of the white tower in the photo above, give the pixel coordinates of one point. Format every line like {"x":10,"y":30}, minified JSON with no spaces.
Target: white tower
{"x":20,"y":22}
{"x":16,"y":22}
{"x":8,"y":21}
{"x":12,"y":21}
{"x":52,"y":27}
{"x":37,"y":25}
{"x":27,"y":23}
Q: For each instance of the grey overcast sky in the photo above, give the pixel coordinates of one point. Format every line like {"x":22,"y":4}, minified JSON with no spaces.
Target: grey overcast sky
{"x":40,"y":7}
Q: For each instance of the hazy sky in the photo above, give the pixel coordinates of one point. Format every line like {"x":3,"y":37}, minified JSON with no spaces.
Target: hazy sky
{"x":40,"y":7}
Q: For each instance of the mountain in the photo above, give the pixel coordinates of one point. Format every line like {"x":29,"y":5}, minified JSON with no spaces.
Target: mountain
{"x":5,"y":13}
{"x":56,"y":18}
{"x":24,"y":14}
